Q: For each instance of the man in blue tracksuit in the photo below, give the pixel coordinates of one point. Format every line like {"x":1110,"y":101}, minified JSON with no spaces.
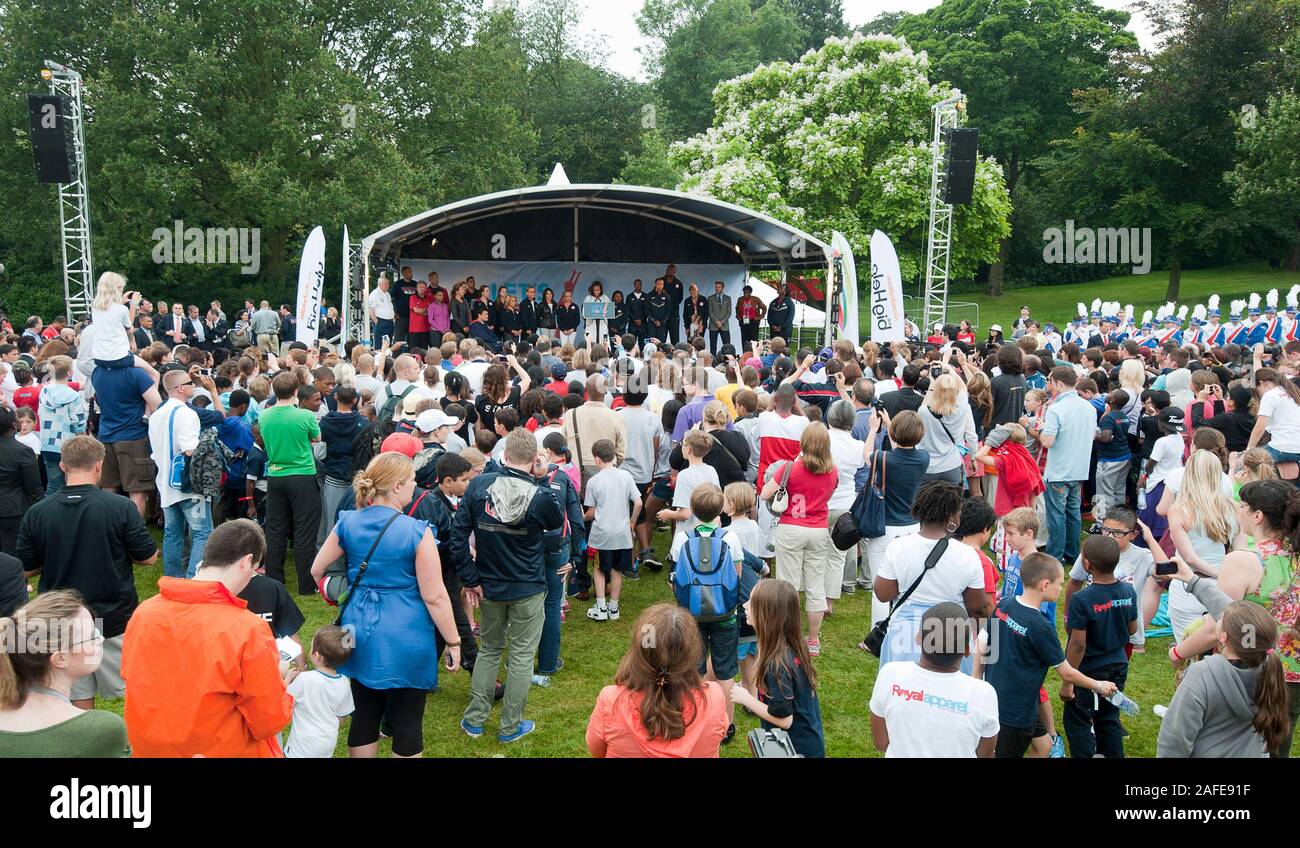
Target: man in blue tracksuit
{"x":508,"y":512}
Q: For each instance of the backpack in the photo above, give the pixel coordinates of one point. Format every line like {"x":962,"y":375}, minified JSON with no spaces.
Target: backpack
{"x":367,"y":443}
{"x":389,"y":409}
{"x":705,"y":580}
{"x":426,"y":465}
{"x":209,"y":464}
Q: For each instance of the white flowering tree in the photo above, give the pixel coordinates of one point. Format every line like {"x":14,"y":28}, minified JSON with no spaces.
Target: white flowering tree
{"x":840,"y":141}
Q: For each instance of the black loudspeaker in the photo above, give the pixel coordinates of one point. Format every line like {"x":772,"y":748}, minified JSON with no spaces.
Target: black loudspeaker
{"x":51,"y":137}
{"x":961,"y":148}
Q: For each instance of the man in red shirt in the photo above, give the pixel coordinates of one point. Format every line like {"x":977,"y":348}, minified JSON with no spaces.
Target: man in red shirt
{"x":557,"y":384}
{"x":27,"y":394}
{"x":203,"y":676}
{"x":419,"y":323}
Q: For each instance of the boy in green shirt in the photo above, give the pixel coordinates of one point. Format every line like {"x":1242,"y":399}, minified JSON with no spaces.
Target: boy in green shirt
{"x":293,"y":497}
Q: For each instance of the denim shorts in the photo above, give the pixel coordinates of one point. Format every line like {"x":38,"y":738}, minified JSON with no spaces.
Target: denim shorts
{"x":720,"y":643}
{"x":747,"y":648}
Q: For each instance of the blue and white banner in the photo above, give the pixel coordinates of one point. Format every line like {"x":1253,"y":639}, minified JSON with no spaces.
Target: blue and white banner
{"x":311,"y":281}
{"x":886,"y":306}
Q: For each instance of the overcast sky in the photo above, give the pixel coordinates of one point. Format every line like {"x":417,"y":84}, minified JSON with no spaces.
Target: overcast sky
{"x":615,"y":21}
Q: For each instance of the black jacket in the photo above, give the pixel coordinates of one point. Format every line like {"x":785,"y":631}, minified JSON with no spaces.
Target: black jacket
{"x":658,"y":311}
{"x":546,"y":315}
{"x":618,"y":324}
{"x":511,"y":558}
{"x":215,"y":336}
{"x":729,"y":456}
{"x":165,"y":327}
{"x":567,"y":317}
{"x":636,"y":306}
{"x":528,"y":315}
{"x":339,"y":430}
{"x":571,"y":503}
{"x":695,"y":309}
{"x":1235,"y":427}
{"x":143,"y":338}
{"x":13,"y":585}
{"x":901,"y":399}
{"x":57,"y":535}
{"x":20,"y":478}
{"x":780,"y":312}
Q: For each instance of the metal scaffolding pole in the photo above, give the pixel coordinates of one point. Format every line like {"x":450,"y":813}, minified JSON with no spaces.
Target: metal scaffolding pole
{"x":938,"y":251}
{"x":74,"y":200}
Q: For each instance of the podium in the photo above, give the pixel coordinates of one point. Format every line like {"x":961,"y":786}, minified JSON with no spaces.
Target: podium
{"x":599,"y":311}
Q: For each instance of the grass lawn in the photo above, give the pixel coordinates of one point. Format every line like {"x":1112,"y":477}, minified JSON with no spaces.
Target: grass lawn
{"x":1057,"y":303}
{"x":591,"y":652}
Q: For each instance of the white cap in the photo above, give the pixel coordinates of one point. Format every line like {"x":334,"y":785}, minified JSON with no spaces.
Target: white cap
{"x":432,"y":419}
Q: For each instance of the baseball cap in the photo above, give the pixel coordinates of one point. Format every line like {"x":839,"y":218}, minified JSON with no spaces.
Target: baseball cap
{"x":558,"y":370}
{"x":403,"y":443}
{"x":432,"y":419}
{"x":1173,"y":417}
{"x":410,"y":404}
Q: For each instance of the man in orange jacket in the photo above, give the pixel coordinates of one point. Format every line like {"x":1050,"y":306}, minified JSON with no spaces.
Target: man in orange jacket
{"x":203,"y":675}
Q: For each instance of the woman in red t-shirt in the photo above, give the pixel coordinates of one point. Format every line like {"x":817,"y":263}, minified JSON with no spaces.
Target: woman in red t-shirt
{"x":966,"y":333}
{"x":803,"y":540}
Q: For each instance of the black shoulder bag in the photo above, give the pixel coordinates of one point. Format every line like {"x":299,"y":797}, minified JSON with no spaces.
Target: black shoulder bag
{"x":876,"y":638}
{"x":361,"y":570}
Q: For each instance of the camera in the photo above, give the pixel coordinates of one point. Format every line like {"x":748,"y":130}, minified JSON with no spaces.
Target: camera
{"x":878,"y":405}
{"x":935,"y":371}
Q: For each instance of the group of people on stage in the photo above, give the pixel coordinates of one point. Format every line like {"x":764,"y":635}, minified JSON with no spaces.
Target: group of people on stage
{"x":416,"y":311}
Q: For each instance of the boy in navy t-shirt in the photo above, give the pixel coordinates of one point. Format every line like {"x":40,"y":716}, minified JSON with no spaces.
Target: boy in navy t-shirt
{"x":1017,"y":647}
{"x":1100,"y":620}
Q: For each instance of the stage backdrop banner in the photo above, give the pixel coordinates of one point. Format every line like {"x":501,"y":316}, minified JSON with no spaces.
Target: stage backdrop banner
{"x":311,"y":280}
{"x":886,"y":291}
{"x":614,"y":276}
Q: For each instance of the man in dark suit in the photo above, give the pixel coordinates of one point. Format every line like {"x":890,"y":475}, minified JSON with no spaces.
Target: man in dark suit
{"x":144,"y":335}
{"x":288,"y":325}
{"x":214,"y":331}
{"x":176,"y":328}
{"x":528,"y":315}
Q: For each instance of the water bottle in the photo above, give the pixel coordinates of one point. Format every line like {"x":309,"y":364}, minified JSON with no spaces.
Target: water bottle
{"x":1124,"y":703}
{"x":1142,"y":498}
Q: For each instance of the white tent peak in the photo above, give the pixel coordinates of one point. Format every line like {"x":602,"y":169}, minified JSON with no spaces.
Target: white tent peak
{"x":558,"y":177}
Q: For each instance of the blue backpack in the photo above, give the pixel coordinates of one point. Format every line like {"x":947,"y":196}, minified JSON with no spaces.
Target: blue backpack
{"x":705,"y":581}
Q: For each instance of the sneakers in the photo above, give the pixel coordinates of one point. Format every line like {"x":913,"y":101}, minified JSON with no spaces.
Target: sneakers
{"x":473,"y":731}
{"x":597,"y":614}
{"x":613,"y":613}
{"x":542,"y":680}
{"x":849,"y":589}
{"x":731,"y":731}
{"x":525,"y":727}
{"x":814,"y":648}
{"x":649,"y":561}
{"x":1058,"y":748}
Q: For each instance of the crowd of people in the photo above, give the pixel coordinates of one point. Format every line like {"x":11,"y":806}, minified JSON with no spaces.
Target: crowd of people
{"x":461,"y":486}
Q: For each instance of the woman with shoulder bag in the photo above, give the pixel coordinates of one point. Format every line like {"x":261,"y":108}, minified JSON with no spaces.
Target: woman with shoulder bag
{"x":913,"y":579}
{"x":396,"y":606}
{"x":899,"y":473}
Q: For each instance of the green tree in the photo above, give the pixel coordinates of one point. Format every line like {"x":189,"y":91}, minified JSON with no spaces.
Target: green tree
{"x":1266,"y":182}
{"x":839,"y":141}
{"x":1018,"y":64}
{"x":651,"y":166}
{"x":820,"y":20}
{"x":696,"y":44}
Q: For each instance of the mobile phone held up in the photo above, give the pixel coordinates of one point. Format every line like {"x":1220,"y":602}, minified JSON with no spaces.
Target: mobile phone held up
{"x":1165,"y":569}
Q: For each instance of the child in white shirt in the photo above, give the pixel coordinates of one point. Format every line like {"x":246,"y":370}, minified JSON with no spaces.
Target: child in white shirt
{"x":113,"y":320}
{"x":26,"y":421}
{"x":696,"y":444}
{"x":322,"y":697}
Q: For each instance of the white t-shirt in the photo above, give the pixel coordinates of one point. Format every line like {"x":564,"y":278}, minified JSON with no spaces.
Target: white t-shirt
{"x":319,"y":701}
{"x":687,"y":480}
{"x":933,"y":714}
{"x":183,"y":436}
{"x":730,"y":538}
{"x":956,"y":571}
{"x":473,"y":371}
{"x":32,"y":440}
{"x":382,"y":302}
{"x":847,"y":453}
{"x":112,"y":325}
{"x":750,"y":534}
{"x":1167,"y":453}
{"x":1283,"y":420}
{"x":611,"y":491}
{"x":367,"y":383}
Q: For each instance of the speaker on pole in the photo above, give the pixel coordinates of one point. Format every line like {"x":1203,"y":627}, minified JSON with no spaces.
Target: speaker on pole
{"x":961,"y":147}
{"x":51,"y":136}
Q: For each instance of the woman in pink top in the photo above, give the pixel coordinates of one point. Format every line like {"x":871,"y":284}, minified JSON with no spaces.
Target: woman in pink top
{"x":659,"y":705}
{"x":803,"y":540}
{"x":439,"y":314}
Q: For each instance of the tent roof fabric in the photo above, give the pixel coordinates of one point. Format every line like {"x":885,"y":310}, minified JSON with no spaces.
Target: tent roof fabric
{"x":613,"y":223}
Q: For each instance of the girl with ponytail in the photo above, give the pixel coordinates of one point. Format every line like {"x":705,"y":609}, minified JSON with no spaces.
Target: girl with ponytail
{"x":1267,"y":577}
{"x":660,"y":705}
{"x":1235,"y":703}
{"x":45,"y":647}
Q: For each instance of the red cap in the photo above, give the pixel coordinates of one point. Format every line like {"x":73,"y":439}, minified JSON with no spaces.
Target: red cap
{"x":403,"y":443}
